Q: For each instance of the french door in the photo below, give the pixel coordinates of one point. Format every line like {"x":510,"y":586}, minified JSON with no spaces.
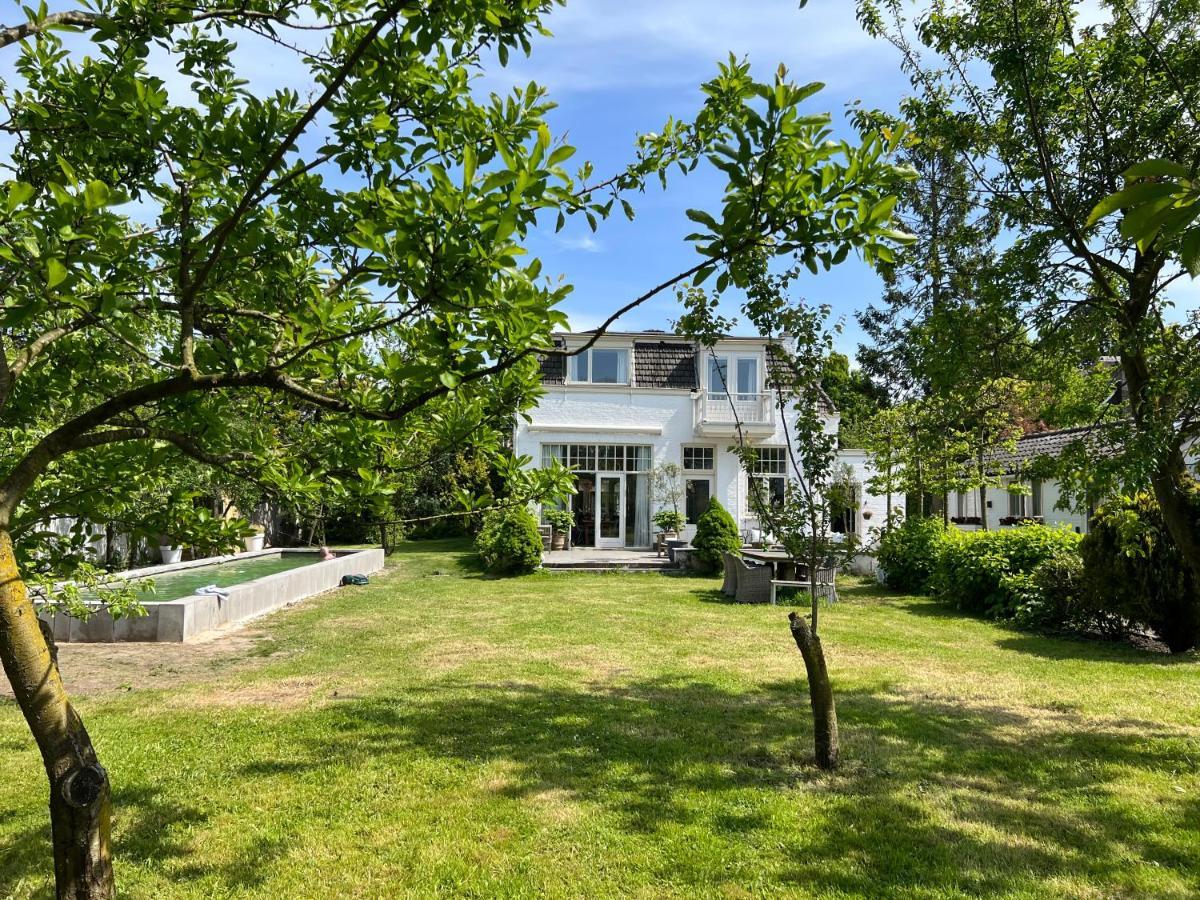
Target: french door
{"x":610,"y":511}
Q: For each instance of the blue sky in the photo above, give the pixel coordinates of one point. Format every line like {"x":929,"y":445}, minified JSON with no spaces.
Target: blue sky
{"x":620,"y":68}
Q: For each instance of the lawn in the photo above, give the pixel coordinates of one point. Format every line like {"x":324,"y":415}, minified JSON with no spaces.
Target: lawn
{"x":439,"y":732}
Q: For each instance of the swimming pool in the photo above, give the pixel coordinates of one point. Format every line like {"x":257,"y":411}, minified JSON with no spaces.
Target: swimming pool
{"x":173,"y":585}
{"x":254,"y":583}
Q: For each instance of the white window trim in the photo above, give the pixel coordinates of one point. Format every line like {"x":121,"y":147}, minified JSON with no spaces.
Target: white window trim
{"x":628,"y":382}
{"x":683,"y":457}
{"x":731,"y":372}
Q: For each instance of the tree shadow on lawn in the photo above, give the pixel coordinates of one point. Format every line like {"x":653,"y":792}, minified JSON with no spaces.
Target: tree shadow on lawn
{"x":1050,"y":646}
{"x":148,"y":829}
{"x":1007,"y":788}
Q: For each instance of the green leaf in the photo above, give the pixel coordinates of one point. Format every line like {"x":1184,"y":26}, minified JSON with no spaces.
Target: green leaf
{"x":449,"y":379}
{"x":1142,"y":192}
{"x":19,"y":192}
{"x":96,"y":195}
{"x":1190,"y":251}
{"x":1152,"y":168}
{"x":56,"y":273}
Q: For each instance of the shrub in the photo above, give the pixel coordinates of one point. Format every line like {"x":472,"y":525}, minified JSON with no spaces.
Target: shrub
{"x":560,"y":520}
{"x":1051,"y":596}
{"x":909,"y":551}
{"x":509,"y":541}
{"x":716,"y":533}
{"x":992,"y":572}
{"x":669,"y":520}
{"x":1133,"y":571}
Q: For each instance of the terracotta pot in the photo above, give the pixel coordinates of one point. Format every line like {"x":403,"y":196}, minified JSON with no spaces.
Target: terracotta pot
{"x":558,"y":541}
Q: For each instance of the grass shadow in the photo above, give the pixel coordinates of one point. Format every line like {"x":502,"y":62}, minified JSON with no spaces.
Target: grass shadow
{"x":647,"y":752}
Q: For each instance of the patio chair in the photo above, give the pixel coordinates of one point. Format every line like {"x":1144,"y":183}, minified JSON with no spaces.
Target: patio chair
{"x":753,"y":582}
{"x":729,"y":585}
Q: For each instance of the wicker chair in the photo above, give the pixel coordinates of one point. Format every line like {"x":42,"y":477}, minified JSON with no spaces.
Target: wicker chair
{"x":729,"y":585}
{"x":753,"y":583}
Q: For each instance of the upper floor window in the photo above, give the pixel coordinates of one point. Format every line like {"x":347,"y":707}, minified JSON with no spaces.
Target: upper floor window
{"x":601,"y":365}
{"x":736,"y":375}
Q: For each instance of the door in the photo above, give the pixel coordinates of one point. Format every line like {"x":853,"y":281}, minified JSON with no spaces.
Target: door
{"x":583,"y":504}
{"x":698,"y":490}
{"x":610,"y":511}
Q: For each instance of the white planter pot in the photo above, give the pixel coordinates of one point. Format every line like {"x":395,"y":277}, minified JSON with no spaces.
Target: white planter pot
{"x":255,"y":542}
{"x":170,"y":554}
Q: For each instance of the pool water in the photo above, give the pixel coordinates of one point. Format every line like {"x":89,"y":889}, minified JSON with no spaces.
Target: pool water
{"x":175,"y":585}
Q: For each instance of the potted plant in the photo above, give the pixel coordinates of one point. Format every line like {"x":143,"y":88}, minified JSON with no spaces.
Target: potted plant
{"x":560,"y":521}
{"x":168,"y":550}
{"x":669,"y":521}
{"x":254,"y":540}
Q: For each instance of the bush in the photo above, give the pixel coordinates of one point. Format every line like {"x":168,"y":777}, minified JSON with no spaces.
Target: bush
{"x":991,"y":572}
{"x":1133,"y":571}
{"x":909,"y":551}
{"x":509,"y":541}
{"x":716,"y":533}
{"x":1051,"y":596}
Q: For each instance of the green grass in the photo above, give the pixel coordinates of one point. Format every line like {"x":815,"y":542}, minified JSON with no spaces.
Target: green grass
{"x":439,"y":732}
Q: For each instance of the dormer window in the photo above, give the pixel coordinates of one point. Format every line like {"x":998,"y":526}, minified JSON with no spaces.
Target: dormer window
{"x":600,"y":365}
{"x":737,"y":375}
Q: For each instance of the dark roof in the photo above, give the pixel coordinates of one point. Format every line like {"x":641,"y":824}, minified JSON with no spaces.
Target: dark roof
{"x":780,"y":377}
{"x":664,"y":364}
{"x":1040,"y":445}
{"x":554,"y":366}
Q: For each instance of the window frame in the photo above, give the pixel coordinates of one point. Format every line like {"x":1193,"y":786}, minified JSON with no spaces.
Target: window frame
{"x":711,"y":453}
{"x":585,"y":362}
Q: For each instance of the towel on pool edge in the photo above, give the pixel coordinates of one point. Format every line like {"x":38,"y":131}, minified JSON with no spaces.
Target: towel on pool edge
{"x":221,"y":593}
{"x":355,"y":579}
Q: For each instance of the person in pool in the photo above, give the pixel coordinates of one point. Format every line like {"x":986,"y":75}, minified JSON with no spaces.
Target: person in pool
{"x":326,"y":553}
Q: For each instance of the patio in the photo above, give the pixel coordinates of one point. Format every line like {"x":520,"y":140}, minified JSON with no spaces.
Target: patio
{"x":596,"y":560}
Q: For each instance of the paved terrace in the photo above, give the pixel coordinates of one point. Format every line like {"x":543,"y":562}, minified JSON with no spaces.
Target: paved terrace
{"x":605,"y":560}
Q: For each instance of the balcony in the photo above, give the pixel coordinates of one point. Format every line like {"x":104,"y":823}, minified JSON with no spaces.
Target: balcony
{"x":719,"y":415}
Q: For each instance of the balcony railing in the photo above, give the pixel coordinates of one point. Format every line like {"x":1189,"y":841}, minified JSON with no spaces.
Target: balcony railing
{"x":726,"y":411}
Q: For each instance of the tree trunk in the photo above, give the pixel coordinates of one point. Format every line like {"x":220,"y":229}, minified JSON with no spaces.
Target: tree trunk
{"x":1169,"y":477}
{"x":820,"y":694}
{"x":1179,"y":511}
{"x":80,"y":801}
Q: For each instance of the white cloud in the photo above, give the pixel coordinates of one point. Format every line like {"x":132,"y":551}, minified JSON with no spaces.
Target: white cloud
{"x":604,"y":44}
{"x":584,"y":242}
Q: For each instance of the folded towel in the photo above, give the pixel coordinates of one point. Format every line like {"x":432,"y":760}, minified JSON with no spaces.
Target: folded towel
{"x":220,"y":593}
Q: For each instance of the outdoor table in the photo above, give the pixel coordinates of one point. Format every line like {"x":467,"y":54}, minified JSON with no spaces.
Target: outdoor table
{"x":782,"y":565}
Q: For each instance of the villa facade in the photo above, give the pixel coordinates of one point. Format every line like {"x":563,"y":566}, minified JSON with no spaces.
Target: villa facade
{"x":634,"y":401}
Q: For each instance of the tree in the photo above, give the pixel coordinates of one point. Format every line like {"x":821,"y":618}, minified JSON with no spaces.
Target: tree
{"x":1067,"y":111}
{"x":347,"y":263}
{"x":801,"y":520}
{"x":855,"y":396}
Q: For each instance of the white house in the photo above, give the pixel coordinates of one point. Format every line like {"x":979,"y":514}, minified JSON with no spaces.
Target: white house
{"x":1020,"y":498}
{"x":636,"y":400}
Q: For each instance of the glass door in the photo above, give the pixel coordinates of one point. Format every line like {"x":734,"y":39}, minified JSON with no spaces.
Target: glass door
{"x":610,"y":511}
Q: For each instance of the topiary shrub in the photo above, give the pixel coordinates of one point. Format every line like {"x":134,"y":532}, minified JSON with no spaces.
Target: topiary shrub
{"x":509,"y":542}
{"x":716,"y":533}
{"x":989,"y":571}
{"x":909,"y":551}
{"x":1133,"y":571}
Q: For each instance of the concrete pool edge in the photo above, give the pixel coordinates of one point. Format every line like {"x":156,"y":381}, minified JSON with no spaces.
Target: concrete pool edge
{"x":188,"y":617}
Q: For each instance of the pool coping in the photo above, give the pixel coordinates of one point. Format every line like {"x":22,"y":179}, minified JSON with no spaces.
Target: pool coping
{"x":187,"y":617}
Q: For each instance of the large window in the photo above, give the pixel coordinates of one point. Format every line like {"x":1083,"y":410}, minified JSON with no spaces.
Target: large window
{"x":769,"y":475}
{"x":736,"y":375}
{"x":599,"y":457}
{"x":601,"y":365}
